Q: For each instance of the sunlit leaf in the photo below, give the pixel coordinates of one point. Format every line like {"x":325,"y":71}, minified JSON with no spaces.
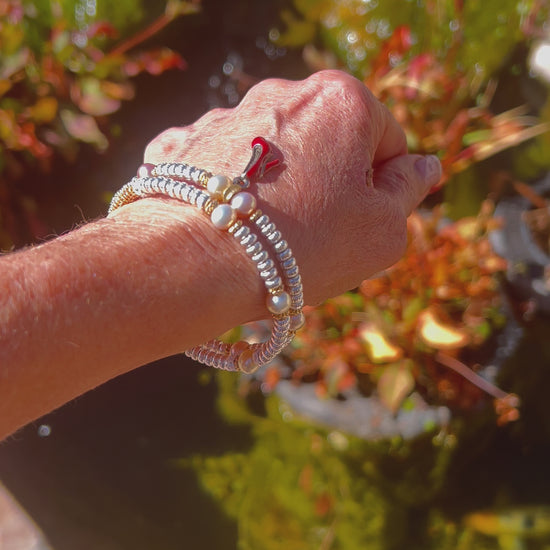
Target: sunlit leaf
{"x":103,"y":29}
{"x":439,"y":335}
{"x":14,"y":63}
{"x":83,"y":128}
{"x":44,"y":110}
{"x":379,"y":348}
{"x":175,"y":8}
{"x":395,"y":383}
{"x":154,"y":62}
{"x":5,"y":86}
{"x":89,"y":95}
{"x":298,"y":31}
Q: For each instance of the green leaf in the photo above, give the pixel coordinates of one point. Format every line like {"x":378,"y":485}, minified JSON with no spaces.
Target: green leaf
{"x":395,"y":383}
{"x":84,"y":128}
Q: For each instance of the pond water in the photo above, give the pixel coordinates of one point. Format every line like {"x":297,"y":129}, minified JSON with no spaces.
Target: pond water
{"x":167,"y":457}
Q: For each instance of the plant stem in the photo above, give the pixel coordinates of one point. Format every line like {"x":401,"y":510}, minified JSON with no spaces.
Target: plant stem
{"x":466,"y":372}
{"x":156,"y":26}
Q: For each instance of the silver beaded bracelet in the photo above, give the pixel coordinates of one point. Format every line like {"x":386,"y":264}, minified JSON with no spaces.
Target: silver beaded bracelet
{"x":233,"y":209}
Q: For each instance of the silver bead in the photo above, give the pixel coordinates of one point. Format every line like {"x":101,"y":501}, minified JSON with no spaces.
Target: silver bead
{"x":267,"y":229}
{"x":294,"y":281}
{"x":249,"y":239}
{"x":280,"y":247}
{"x":184,"y":193}
{"x":274,"y":237}
{"x":297,"y":321}
{"x":268,"y":273}
{"x":268,"y":264}
{"x":274,"y":283}
{"x":253,"y":249}
{"x":242,"y":232}
{"x":287,"y":264}
{"x":260,"y":257}
{"x":292,"y":272}
{"x":262,"y":220}
{"x":201,"y":200}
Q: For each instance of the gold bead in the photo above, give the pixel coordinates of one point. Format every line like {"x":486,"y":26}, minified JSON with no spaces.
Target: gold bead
{"x":204,"y":177}
{"x":237,"y":225}
{"x":230,"y":192}
{"x":209,"y":205}
{"x":255,"y":215}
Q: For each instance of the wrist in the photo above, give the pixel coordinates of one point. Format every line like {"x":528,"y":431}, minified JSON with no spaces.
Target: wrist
{"x":204,"y":277}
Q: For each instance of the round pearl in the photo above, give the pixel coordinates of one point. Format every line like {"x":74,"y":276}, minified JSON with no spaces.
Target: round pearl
{"x":217,"y":184}
{"x":244,"y":203}
{"x":145,"y":170}
{"x":223,"y":216}
{"x":297,"y":321}
{"x":246,"y":362}
{"x":237,"y":348}
{"x":278,"y":303}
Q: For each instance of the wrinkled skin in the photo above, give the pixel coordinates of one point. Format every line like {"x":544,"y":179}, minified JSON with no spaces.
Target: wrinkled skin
{"x":156,"y":278}
{"x":328,"y":131}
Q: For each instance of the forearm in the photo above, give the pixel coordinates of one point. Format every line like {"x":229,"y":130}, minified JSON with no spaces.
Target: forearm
{"x":149,"y":282}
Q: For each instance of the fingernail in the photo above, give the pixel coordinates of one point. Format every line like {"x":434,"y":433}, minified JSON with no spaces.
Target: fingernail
{"x":429,"y":168}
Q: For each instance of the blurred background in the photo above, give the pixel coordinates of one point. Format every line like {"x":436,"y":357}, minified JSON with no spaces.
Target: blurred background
{"x":412,"y":412}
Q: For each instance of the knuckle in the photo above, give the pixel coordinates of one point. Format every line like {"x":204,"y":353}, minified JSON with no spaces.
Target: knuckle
{"x":350,"y":92}
{"x":213,"y":115}
{"x":266,"y":92}
{"x":167,"y":145}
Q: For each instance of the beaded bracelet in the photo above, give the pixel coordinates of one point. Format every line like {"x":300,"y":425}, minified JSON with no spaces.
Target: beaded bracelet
{"x":232,"y":209}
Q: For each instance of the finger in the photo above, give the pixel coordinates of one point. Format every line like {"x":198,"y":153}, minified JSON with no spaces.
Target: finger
{"x":408,"y":178}
{"x":393,"y":141}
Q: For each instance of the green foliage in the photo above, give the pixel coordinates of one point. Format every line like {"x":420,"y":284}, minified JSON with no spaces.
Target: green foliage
{"x":397,"y":333}
{"x":479,"y":35}
{"x":432,"y":63}
{"x":435,"y":64}
{"x":63,"y":72}
{"x":302,"y":488}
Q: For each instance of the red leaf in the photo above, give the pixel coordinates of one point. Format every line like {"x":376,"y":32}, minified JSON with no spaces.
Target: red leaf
{"x":103,"y":29}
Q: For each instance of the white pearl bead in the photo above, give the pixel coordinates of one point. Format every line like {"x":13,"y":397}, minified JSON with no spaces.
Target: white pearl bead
{"x":246,"y":362}
{"x":279,"y":303}
{"x":244,"y":203}
{"x":238,"y":348}
{"x":297,"y":321}
{"x":217,"y":185}
{"x":223,"y":216}
{"x":145,"y":170}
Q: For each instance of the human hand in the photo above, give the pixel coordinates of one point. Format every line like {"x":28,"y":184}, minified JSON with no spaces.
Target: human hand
{"x":156,"y":278}
{"x":329,"y":132}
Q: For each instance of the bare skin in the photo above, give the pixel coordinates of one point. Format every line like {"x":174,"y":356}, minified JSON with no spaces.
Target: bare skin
{"x":156,"y":278}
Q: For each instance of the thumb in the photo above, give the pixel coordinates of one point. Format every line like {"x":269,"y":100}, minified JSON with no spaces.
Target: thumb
{"x":408,"y":178}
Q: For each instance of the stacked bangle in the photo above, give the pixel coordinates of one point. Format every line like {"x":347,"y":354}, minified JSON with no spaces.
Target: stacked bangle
{"x":232,"y":209}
